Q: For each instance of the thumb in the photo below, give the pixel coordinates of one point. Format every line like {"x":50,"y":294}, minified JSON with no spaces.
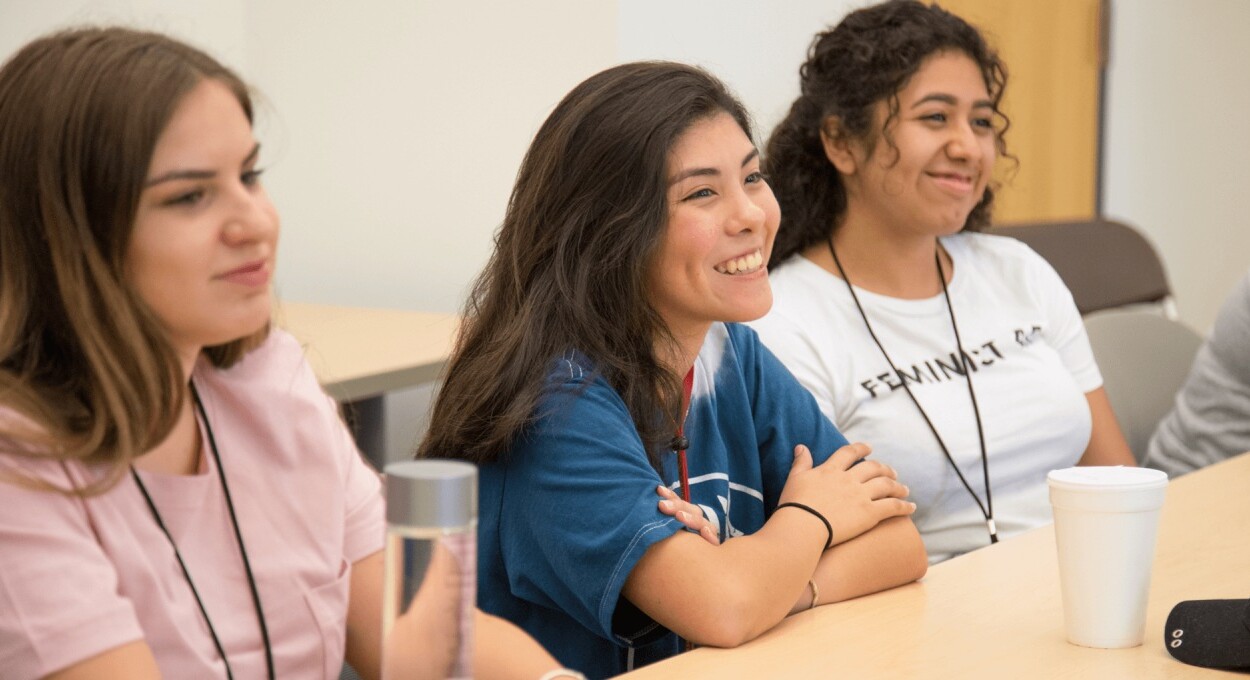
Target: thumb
{"x":802,"y":459}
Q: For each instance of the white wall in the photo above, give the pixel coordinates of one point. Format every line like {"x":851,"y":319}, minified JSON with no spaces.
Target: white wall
{"x":1178,"y":142}
{"x":755,"y":47}
{"x":395,"y":127}
{"x":401,"y":126}
{"x":219,"y":25}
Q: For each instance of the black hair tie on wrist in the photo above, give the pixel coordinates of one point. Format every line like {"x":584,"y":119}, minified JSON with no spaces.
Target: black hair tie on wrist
{"x":800,"y":506}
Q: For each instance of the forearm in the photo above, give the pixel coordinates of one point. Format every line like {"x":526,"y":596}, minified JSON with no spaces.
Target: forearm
{"x":725,"y":595}
{"x":503,"y":651}
{"x":888,"y":555}
{"x":1107,"y":445}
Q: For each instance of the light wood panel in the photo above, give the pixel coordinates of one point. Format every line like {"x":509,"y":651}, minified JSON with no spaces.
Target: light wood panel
{"x":1051,"y":49}
{"x":359,"y":353}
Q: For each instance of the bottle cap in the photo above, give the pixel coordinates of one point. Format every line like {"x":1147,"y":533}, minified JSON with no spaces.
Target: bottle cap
{"x":431,"y":493}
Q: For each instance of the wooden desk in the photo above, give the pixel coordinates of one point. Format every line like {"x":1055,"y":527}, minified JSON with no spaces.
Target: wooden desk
{"x":997,"y":612}
{"x":360,"y":354}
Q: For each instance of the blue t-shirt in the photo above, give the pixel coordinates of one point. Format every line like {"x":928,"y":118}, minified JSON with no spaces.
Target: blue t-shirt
{"x":568,"y":512}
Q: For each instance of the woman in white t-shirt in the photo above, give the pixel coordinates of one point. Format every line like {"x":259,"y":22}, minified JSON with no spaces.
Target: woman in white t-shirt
{"x":882,"y":168}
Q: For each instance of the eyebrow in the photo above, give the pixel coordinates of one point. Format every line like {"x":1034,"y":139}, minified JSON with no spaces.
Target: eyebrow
{"x":192,"y":173}
{"x":701,"y":172}
{"x":952,"y":101}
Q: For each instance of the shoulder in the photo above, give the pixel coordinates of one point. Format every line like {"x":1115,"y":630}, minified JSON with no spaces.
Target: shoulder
{"x":796,"y":275}
{"x":732,"y":347}
{"x":575,"y":395}
{"x":24,"y":461}
{"x":802,"y":292}
{"x":1002,"y":259}
{"x":999,"y":248}
{"x":278,"y":366}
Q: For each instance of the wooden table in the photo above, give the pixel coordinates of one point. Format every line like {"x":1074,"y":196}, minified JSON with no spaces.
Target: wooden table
{"x":360,"y":354}
{"x":997,"y":612}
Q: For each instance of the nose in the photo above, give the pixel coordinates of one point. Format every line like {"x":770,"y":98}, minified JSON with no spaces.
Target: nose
{"x":747,"y":214}
{"x":964,"y":143}
{"x":251,"y":217}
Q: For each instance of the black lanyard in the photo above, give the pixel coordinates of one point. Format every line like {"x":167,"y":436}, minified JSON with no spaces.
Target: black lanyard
{"x":247,"y":566}
{"x":987,"y":509}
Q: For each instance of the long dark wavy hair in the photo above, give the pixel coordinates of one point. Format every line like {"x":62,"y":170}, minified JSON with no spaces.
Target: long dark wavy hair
{"x":85,"y":365}
{"x":569,"y":271}
{"x":865,"y":59}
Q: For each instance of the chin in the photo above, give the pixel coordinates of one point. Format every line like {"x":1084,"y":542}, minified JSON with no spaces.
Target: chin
{"x":750,"y":312}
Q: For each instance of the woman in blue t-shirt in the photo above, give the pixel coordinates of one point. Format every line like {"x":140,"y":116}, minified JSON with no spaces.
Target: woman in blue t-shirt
{"x":601,"y":374}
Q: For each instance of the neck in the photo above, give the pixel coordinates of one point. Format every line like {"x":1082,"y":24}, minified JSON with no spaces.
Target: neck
{"x":884,"y":262}
{"x":179,"y":453}
{"x":679,"y":357}
{"x":187,"y":356}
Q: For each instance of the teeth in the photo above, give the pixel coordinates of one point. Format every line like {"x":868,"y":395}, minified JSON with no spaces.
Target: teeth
{"x":742,"y":265}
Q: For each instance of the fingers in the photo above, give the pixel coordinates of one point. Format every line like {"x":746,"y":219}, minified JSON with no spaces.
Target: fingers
{"x":849,"y":455}
{"x":690,"y":515}
{"x":893,"y":507}
{"x":885,"y":487}
{"x":871,"y":469}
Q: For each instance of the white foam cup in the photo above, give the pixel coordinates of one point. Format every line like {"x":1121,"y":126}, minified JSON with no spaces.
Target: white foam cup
{"x":1106,"y":519}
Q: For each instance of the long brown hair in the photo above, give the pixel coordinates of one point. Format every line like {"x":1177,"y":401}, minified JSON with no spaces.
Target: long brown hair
{"x":85,"y":366}
{"x":867,"y":58}
{"x":569,"y":271}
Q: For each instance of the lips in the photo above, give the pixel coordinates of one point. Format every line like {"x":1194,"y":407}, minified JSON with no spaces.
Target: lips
{"x":252,"y":274}
{"x":955,"y":183}
{"x":748,"y":263}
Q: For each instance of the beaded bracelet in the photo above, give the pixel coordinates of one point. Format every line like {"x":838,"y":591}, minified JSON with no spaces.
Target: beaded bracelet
{"x":828,"y":526}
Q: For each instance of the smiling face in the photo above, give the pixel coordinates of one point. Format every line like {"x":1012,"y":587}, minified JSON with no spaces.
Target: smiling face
{"x":942,"y":154}
{"x":201,"y":254}
{"x":722,"y":218}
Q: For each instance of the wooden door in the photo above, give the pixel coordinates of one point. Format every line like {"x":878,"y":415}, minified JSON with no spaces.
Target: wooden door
{"x":1053,"y":53}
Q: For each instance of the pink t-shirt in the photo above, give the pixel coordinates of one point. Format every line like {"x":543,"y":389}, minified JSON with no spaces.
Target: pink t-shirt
{"x":81,"y":576}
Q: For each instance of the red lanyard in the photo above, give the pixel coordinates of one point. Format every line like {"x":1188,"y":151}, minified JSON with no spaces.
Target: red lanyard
{"x":680,"y":441}
{"x":680,"y":444}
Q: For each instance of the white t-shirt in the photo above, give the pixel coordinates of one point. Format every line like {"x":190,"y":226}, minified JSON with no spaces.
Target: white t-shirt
{"x":1028,"y":354}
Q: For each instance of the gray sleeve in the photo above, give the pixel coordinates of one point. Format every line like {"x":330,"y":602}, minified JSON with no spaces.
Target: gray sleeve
{"x":1211,"y":418}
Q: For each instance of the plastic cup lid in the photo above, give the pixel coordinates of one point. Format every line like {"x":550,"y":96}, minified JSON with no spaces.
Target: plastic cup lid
{"x":1092,"y":478}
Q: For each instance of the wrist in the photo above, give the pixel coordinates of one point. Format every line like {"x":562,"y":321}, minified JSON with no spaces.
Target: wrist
{"x":557,"y":673}
{"x":815,"y":513}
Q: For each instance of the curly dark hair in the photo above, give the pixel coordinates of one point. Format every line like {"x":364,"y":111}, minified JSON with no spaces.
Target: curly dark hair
{"x":569,"y":272}
{"x":865,"y":59}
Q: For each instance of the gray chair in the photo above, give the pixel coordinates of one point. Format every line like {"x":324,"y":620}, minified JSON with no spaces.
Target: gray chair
{"x":1144,"y":359}
{"x":1104,"y":263}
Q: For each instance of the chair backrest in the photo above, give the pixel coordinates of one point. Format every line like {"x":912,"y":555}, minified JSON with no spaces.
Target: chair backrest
{"x":1144,"y":359}
{"x":1104,"y":263}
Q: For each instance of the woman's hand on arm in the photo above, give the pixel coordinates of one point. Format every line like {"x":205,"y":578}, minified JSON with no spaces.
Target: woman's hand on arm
{"x":690,"y":515}
{"x":723,"y":595}
{"x":853,"y":494}
{"x":1107,"y":445}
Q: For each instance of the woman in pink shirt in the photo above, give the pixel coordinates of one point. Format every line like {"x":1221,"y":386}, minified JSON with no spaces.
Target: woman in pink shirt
{"x":180,"y":497}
